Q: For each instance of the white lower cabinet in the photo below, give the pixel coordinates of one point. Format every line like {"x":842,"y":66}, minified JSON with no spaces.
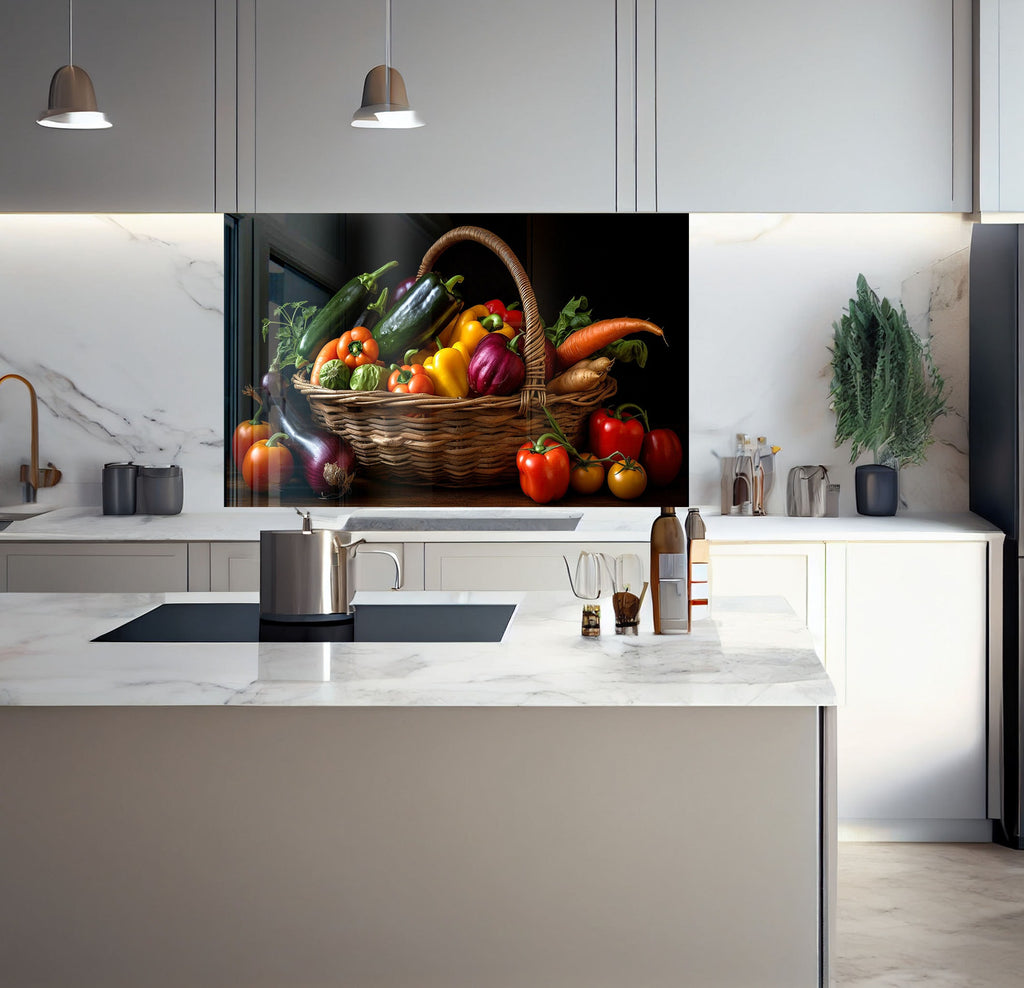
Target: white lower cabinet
{"x":235,"y":566}
{"x":94,"y":567}
{"x":912,"y":741}
{"x":794,"y":571}
{"x":514,"y":565}
{"x":902,"y":627}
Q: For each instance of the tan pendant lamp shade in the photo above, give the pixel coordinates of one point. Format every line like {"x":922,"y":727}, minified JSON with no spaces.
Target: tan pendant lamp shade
{"x":72,"y":103}
{"x":384,"y":105}
{"x":385,"y":102}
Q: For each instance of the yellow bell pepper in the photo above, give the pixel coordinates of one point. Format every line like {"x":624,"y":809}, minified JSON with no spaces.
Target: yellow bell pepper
{"x":449,"y":370}
{"x":419,"y":356}
{"x":449,"y":335}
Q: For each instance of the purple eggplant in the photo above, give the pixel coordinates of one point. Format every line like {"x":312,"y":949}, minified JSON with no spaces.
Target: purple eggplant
{"x":326,"y":460}
{"x":495,"y":368}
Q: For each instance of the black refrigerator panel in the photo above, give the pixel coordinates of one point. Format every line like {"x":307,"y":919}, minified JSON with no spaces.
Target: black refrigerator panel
{"x":995,"y":413}
{"x":1008,"y":828}
{"x":994,"y":403}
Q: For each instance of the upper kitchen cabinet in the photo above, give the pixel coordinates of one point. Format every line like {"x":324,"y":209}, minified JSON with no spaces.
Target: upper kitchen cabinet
{"x":518,"y":99}
{"x":999,"y":106}
{"x":803,"y":106}
{"x":153,"y":68}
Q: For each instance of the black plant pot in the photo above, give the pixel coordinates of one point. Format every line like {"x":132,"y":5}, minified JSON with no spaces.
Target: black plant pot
{"x":878,"y":489}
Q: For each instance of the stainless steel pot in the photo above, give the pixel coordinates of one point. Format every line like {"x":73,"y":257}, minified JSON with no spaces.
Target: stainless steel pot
{"x":305,"y":573}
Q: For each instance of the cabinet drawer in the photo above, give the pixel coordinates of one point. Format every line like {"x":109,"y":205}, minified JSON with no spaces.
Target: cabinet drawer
{"x":95,"y":567}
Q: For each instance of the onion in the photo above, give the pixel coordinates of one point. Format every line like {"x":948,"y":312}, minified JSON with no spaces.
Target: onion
{"x":402,"y":287}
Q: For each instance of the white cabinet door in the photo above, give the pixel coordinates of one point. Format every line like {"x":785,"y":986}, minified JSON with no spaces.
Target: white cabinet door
{"x":1000,"y":105}
{"x":911,"y":734}
{"x":152,"y":66}
{"x":803,"y":106}
{"x":518,"y":100}
{"x":793,"y":571}
{"x":235,"y":566}
{"x":95,"y":567}
{"x":514,"y":565}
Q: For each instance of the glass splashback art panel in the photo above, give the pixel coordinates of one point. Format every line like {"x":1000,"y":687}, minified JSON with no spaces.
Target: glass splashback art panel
{"x":485,"y":360}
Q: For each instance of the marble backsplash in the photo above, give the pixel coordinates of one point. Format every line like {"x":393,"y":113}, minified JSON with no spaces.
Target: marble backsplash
{"x":118,"y":323}
{"x":764,"y":292}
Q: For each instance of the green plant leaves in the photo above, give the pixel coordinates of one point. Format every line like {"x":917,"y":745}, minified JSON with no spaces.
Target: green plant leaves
{"x":885,"y":390}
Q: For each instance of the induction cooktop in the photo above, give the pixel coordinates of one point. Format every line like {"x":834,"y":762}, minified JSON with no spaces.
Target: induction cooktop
{"x":241,"y":622}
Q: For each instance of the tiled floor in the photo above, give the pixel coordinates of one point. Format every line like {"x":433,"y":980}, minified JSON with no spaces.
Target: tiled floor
{"x":941,"y":915}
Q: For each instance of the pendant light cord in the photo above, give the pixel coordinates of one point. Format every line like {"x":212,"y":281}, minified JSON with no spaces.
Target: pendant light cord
{"x":387,"y":52}
{"x":71,"y":34}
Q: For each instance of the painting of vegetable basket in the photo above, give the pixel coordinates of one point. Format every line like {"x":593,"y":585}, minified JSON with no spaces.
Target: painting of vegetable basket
{"x":430,"y":389}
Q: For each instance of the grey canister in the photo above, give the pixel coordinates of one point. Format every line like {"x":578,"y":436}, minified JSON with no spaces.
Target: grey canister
{"x":119,"y":483}
{"x":160,"y":490}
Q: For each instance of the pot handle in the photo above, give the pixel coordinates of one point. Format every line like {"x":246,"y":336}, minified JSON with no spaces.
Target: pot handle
{"x":342,"y":547}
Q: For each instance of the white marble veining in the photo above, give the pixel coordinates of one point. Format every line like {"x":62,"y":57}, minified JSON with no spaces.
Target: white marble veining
{"x":118,"y":322}
{"x":597,"y":525}
{"x":764,"y":292}
{"x":752,"y":652}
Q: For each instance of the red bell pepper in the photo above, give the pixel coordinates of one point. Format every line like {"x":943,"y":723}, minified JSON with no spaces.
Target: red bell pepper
{"x":510,"y":316}
{"x":543,"y":468}
{"x":661,"y":456}
{"x":615,"y":433}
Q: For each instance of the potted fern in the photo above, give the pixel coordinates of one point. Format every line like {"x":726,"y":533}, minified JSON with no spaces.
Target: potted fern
{"x":886,"y":394}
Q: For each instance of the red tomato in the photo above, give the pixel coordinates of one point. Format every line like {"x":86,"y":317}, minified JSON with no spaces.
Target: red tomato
{"x":587,"y":474}
{"x":267,"y":464}
{"x":627,"y":479}
{"x":543,"y":469}
{"x":661,"y":456}
{"x":614,"y":431}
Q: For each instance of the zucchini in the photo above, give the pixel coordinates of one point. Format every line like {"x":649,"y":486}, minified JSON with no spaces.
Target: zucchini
{"x":422,"y":312}
{"x":338,"y":314}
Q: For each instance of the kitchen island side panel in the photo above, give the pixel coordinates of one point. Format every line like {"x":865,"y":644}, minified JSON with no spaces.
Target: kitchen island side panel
{"x":483,"y":847}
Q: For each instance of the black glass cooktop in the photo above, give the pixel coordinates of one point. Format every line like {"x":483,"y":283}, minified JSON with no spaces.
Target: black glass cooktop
{"x":240,"y":622}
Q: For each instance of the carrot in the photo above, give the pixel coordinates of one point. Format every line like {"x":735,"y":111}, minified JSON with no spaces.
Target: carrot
{"x":589,"y":339}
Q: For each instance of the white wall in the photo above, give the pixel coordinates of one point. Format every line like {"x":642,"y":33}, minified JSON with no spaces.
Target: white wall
{"x":764,"y":292}
{"x":118,"y":323}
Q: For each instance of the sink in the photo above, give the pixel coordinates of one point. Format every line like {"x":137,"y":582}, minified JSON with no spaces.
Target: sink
{"x":240,"y":622}
{"x":534,"y":520}
{"x":18,"y":512}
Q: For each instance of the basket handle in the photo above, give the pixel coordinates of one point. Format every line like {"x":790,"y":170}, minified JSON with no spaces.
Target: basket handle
{"x":533,"y":351}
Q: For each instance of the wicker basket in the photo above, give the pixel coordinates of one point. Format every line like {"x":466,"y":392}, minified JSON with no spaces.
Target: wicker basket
{"x":455,"y":442}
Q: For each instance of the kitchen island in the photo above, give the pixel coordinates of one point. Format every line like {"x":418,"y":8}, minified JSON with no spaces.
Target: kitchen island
{"x":546,"y":809}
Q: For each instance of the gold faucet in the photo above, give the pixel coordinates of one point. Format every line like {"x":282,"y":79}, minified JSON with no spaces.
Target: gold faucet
{"x":30,"y":476}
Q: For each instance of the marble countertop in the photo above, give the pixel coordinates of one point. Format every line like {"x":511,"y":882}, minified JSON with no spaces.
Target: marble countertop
{"x":749,"y":652}
{"x":400,"y":525}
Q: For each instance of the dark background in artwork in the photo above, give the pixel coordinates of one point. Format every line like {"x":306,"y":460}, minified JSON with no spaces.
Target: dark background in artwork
{"x":625,"y":264}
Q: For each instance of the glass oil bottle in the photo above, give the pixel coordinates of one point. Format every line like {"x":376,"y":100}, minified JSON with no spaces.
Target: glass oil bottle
{"x":669,"y":574}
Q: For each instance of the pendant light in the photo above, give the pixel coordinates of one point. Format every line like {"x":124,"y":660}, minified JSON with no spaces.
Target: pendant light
{"x":385,"y":103}
{"x":72,"y":104}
